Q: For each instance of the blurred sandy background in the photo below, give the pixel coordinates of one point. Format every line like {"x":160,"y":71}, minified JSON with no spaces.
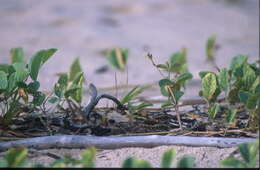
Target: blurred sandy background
{"x":84,"y":28}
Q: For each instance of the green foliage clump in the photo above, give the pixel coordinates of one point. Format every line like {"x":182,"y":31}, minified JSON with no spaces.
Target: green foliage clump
{"x":171,"y":87}
{"x":69,"y":85}
{"x":19,"y":87}
{"x":240,"y":83}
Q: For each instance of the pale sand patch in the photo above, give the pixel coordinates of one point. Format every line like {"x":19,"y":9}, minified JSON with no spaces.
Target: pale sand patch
{"x":206,"y":157}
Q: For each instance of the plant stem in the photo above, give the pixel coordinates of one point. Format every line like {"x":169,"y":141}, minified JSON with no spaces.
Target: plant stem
{"x":176,"y":108}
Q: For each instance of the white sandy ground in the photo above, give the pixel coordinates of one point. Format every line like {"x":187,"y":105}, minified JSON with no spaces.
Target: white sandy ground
{"x":206,"y":157}
{"x":84,"y":28}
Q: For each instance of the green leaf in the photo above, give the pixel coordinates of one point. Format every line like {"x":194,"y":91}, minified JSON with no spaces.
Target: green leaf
{"x":33,"y":87}
{"x":135,"y":163}
{"x":249,"y":77}
{"x":4,"y":68}
{"x":46,"y":54}
{"x":88,"y":157}
{"x":17,"y":55}
{"x":245,"y":151}
{"x":77,"y":95}
{"x":177,"y":95}
{"x":211,"y":48}
{"x":34,"y":66}
{"x":11,"y":82}
{"x":38,"y":98}
{"x":232,"y":162}
{"x":133,"y":93}
{"x":163,"y":86}
{"x":168,"y":157}
{"x":75,"y":68}
{"x":22,"y":85}
{"x":38,"y":60}
{"x":209,"y":85}
{"x":53,"y":100}
{"x":223,"y":79}
{"x":58,"y":90}
{"x":3,"y":80}
{"x":19,"y":66}
{"x":117,"y":58}
{"x":63,"y":79}
{"x":253,"y":101}
{"x":255,"y":88}
{"x":213,"y":110}
{"x":237,"y":62}
{"x":254,"y":153}
{"x":167,"y":103}
{"x":19,"y":76}
{"x":233,"y":95}
{"x":186,"y":162}
{"x":178,"y":61}
{"x":66,"y":162}
{"x":14,"y":109}
{"x":71,"y":90}
{"x":61,"y":85}
{"x":183,"y":78}
{"x":202,"y":74}
{"x":243,"y":96}
{"x":231,"y":115}
{"x":141,"y":106}
{"x":16,"y":157}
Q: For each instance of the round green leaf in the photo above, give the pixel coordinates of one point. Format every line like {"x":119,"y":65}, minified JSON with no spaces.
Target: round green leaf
{"x":33,"y":87}
{"x":38,"y":98}
{"x":163,"y":84}
{"x":168,"y":157}
{"x":186,"y":162}
{"x":53,"y":100}
{"x":133,"y":162}
{"x":237,"y":62}
{"x":209,"y":85}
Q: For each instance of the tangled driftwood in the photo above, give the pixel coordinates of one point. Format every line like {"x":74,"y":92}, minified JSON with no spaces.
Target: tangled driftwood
{"x":114,"y":142}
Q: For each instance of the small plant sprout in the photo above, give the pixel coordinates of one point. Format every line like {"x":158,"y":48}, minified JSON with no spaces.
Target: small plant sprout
{"x":131,"y":95}
{"x":70,"y":86}
{"x":172,"y":87}
{"x":117,"y":58}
